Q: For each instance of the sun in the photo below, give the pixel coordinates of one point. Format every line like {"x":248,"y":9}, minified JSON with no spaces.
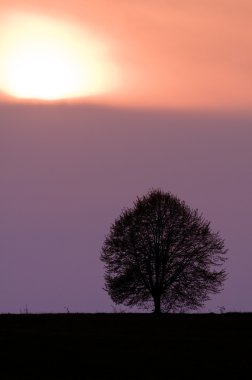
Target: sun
{"x":45,"y":59}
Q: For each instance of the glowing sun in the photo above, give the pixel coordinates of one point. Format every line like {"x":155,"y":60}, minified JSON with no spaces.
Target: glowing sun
{"x":41,"y":58}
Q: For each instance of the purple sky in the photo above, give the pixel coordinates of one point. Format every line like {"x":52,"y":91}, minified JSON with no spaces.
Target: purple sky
{"x":67,"y":171}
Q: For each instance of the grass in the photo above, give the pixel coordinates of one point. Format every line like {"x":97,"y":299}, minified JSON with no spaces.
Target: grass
{"x":126,"y":346}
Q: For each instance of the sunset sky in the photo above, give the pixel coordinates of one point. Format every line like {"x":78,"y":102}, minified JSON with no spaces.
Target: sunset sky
{"x":100,"y":101}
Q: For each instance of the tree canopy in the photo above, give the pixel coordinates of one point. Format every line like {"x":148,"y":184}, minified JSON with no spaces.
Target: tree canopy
{"x":162,"y":254}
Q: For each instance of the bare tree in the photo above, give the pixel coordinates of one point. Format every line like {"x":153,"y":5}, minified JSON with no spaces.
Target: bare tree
{"x":161,"y":252}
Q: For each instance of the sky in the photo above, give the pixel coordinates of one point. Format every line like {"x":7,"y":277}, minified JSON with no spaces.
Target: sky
{"x":167,"y":105}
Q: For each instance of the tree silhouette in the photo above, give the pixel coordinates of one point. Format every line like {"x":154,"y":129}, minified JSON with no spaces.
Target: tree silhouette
{"x":162,"y":253}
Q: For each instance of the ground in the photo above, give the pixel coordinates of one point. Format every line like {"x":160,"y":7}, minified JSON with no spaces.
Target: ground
{"x":126,"y":346}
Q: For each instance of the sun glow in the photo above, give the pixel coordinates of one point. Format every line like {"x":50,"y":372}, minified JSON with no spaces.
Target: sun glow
{"x":44,"y":59}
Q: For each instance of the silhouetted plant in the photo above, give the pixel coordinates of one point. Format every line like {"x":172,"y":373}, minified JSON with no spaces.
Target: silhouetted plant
{"x":222,"y":309}
{"x":162,"y":252}
{"x":25,"y":310}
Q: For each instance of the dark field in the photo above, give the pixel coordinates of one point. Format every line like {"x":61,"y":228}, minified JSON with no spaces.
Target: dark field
{"x":126,"y":346}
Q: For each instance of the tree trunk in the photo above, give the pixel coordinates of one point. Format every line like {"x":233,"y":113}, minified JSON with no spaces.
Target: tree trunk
{"x":157,"y":304}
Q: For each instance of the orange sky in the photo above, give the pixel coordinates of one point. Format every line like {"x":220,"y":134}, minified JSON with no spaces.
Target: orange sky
{"x":171,"y":53}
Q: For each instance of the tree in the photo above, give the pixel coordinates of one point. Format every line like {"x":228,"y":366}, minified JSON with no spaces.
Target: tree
{"x":161,"y":252}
